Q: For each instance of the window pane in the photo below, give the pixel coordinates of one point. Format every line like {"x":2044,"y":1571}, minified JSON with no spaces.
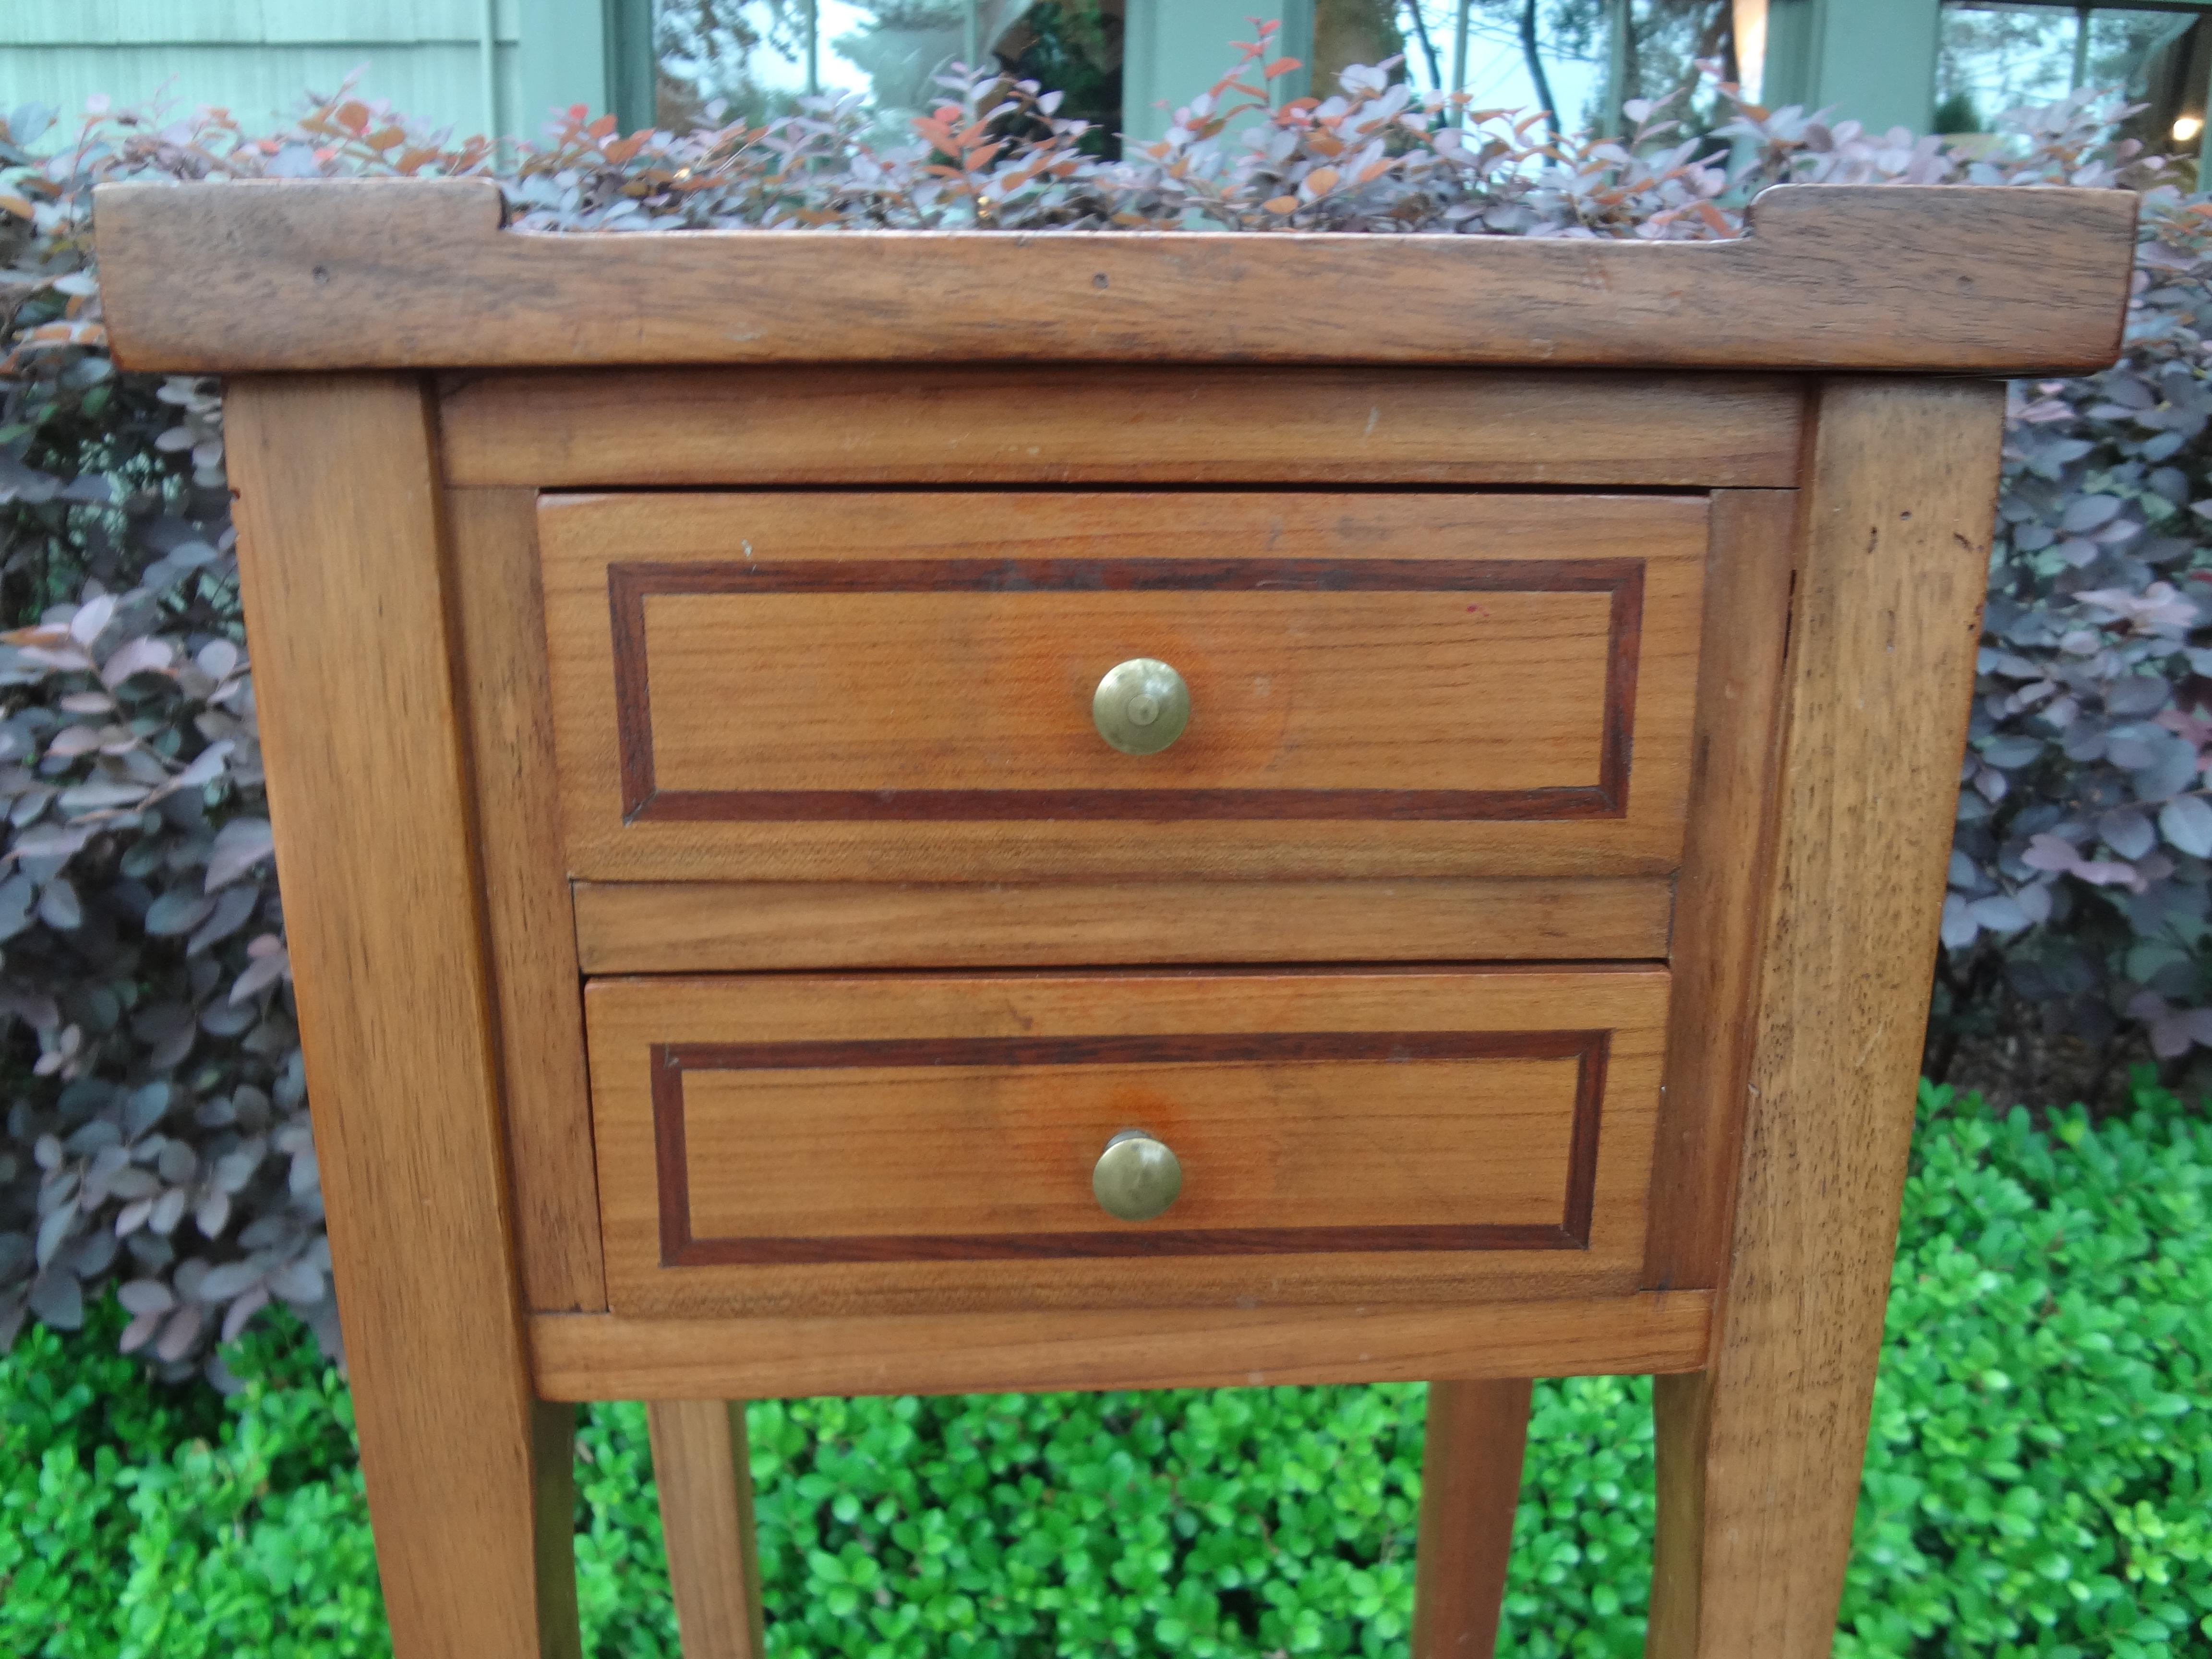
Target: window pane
{"x":2161,"y":61}
{"x":749,"y":55}
{"x":1573,"y":47}
{"x":1666,"y":40}
{"x":1074,"y":47}
{"x":1347,"y":31}
{"x":1570,"y":54}
{"x":1995,"y":57}
{"x":2122,"y":46}
{"x":752,"y":55}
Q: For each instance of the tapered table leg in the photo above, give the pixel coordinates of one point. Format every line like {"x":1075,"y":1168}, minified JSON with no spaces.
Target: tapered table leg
{"x":344,"y":571}
{"x":702,"y":1471}
{"x":1470,"y":1488}
{"x":1760,"y":1454}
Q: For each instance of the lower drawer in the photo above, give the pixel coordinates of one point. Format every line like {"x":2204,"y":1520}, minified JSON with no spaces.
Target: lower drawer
{"x":924,"y":1143}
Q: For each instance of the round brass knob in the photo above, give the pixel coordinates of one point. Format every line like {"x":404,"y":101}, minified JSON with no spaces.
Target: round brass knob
{"x":1141,"y":706}
{"x":1136,"y":1177}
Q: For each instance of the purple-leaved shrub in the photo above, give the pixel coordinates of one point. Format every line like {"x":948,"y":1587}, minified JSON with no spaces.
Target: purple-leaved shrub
{"x":157,"y":1136}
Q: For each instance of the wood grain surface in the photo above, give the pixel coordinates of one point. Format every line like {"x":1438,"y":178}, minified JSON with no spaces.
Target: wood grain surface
{"x":1289,"y":1143}
{"x":1478,"y":1431}
{"x":1717,"y":930}
{"x":909,"y":1143}
{"x":1759,"y":1455}
{"x":299,"y":273}
{"x":794,"y":685}
{"x":1115,"y":423}
{"x":499,"y":619}
{"x":959,"y":689}
{"x":608,"y":1357}
{"x":702,"y":1476}
{"x":697,"y":927}
{"x":467,"y":1475}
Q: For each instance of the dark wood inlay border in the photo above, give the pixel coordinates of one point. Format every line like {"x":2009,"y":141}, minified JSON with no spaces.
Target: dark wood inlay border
{"x":629,"y":585}
{"x":671,"y":1062}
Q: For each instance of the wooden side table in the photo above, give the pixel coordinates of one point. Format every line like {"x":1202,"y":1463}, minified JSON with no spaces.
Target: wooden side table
{"x":898,"y":812}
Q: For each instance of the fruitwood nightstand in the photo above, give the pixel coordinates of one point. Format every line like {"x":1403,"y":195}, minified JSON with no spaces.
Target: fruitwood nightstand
{"x":1110,"y":810}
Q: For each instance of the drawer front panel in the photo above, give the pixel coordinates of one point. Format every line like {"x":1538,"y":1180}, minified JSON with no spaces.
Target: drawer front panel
{"x":930,"y":1141}
{"x":1353,"y":1141}
{"x":775,"y":686}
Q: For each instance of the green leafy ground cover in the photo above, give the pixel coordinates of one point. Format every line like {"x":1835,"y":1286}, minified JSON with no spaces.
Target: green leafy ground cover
{"x":2039,"y":1480}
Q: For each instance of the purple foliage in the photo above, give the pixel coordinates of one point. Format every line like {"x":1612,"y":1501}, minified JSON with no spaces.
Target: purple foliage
{"x":158,"y":1136}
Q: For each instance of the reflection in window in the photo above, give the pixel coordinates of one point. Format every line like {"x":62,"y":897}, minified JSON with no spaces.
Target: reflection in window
{"x":1508,"y":54}
{"x":755,"y":59}
{"x":1666,"y":41}
{"x":1994,"y":57}
{"x":1589,"y":55}
{"x":752,"y":59}
{"x":1348,"y":32}
{"x":1073,"y":48}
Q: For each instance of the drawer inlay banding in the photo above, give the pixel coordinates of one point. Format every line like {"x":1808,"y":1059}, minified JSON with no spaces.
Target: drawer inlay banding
{"x":630,"y":585}
{"x":680,"y":1246}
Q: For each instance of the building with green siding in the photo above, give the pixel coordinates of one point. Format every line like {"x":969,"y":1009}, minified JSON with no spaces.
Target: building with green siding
{"x":503,"y":66}
{"x":476,"y":65}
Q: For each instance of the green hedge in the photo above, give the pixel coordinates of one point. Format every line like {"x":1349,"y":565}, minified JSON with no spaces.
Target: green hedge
{"x":2039,"y":1481}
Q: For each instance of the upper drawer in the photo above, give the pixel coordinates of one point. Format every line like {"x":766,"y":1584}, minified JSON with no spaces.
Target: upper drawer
{"x":899,"y":685}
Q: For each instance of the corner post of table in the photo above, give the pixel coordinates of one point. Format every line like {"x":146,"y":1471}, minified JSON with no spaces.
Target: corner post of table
{"x":349,"y":607}
{"x":1760,"y":1454}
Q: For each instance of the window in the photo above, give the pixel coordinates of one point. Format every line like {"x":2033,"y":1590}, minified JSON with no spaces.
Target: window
{"x":757,"y":57}
{"x":1963,"y":62}
{"x":1994,"y":57}
{"x":1584,"y":59}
